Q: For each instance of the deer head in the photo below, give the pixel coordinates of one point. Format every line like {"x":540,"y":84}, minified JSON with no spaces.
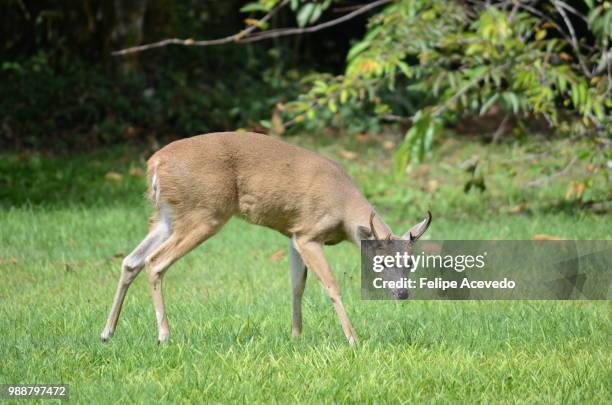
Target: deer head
{"x":411,"y":236}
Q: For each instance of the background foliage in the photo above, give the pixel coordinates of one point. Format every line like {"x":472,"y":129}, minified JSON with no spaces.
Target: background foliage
{"x":521,"y":59}
{"x":62,"y":89}
{"x":424,"y":65}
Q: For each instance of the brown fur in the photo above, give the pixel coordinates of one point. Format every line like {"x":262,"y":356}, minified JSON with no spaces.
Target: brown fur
{"x":263,"y":180}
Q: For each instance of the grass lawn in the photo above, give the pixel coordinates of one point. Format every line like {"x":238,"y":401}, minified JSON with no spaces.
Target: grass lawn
{"x":65,"y":224}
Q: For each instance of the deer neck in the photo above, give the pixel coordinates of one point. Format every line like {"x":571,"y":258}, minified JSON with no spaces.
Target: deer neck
{"x":358,"y":214}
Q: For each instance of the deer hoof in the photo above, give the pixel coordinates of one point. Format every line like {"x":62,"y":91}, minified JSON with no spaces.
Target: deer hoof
{"x":105,"y":335}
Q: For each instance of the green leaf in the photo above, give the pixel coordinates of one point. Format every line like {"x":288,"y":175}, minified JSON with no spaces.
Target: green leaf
{"x":357,"y":49}
{"x":333,"y":107}
{"x":418,"y":140}
{"x":251,"y":7}
{"x":485,"y":107}
{"x":404,"y":68}
{"x":512,"y":101}
{"x":316,"y":13}
{"x":305,"y":13}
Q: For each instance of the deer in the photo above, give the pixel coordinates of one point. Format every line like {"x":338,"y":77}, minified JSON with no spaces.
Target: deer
{"x":197,"y":184}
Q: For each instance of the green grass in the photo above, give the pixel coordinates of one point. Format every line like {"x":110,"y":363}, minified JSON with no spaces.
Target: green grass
{"x":229,"y":303}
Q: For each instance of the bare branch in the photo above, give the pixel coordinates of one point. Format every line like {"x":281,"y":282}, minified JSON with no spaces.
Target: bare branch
{"x":547,"y":18}
{"x":572,"y":10}
{"x":500,"y":129}
{"x":574,"y":40}
{"x":515,"y":8}
{"x":191,"y":42}
{"x":247,"y":35}
{"x":396,"y":118}
{"x":344,"y":9}
{"x":546,"y":179}
{"x":281,"y":32}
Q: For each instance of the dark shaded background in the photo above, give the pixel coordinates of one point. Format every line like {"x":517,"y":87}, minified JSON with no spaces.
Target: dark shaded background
{"x":62,"y":89}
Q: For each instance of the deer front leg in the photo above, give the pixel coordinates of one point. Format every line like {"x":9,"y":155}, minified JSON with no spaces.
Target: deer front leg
{"x":312,"y":254}
{"x":298,"y":283}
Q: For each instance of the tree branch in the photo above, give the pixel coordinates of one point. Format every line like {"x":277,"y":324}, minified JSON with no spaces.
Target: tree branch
{"x":281,"y":32}
{"x":572,"y":10}
{"x":547,"y":18}
{"x":247,"y":36}
{"x":546,"y":179}
{"x":574,"y":41}
{"x":191,"y":42}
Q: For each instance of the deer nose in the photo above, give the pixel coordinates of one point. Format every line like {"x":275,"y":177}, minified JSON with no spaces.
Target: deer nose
{"x":401,"y":294}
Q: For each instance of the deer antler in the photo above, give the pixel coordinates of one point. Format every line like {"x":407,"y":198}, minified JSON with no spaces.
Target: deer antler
{"x":428,"y":219}
{"x":372,"y":226}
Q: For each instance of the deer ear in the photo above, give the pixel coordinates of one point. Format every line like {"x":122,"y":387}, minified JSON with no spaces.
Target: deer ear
{"x":418,"y":230}
{"x":364,"y":233}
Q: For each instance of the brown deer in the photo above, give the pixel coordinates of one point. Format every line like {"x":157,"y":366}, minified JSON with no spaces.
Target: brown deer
{"x":198,"y":184}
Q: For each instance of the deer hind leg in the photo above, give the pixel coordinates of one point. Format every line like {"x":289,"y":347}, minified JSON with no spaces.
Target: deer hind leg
{"x":298,"y":283}
{"x":131,"y":266}
{"x":185,"y":236}
{"x":312,"y":254}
